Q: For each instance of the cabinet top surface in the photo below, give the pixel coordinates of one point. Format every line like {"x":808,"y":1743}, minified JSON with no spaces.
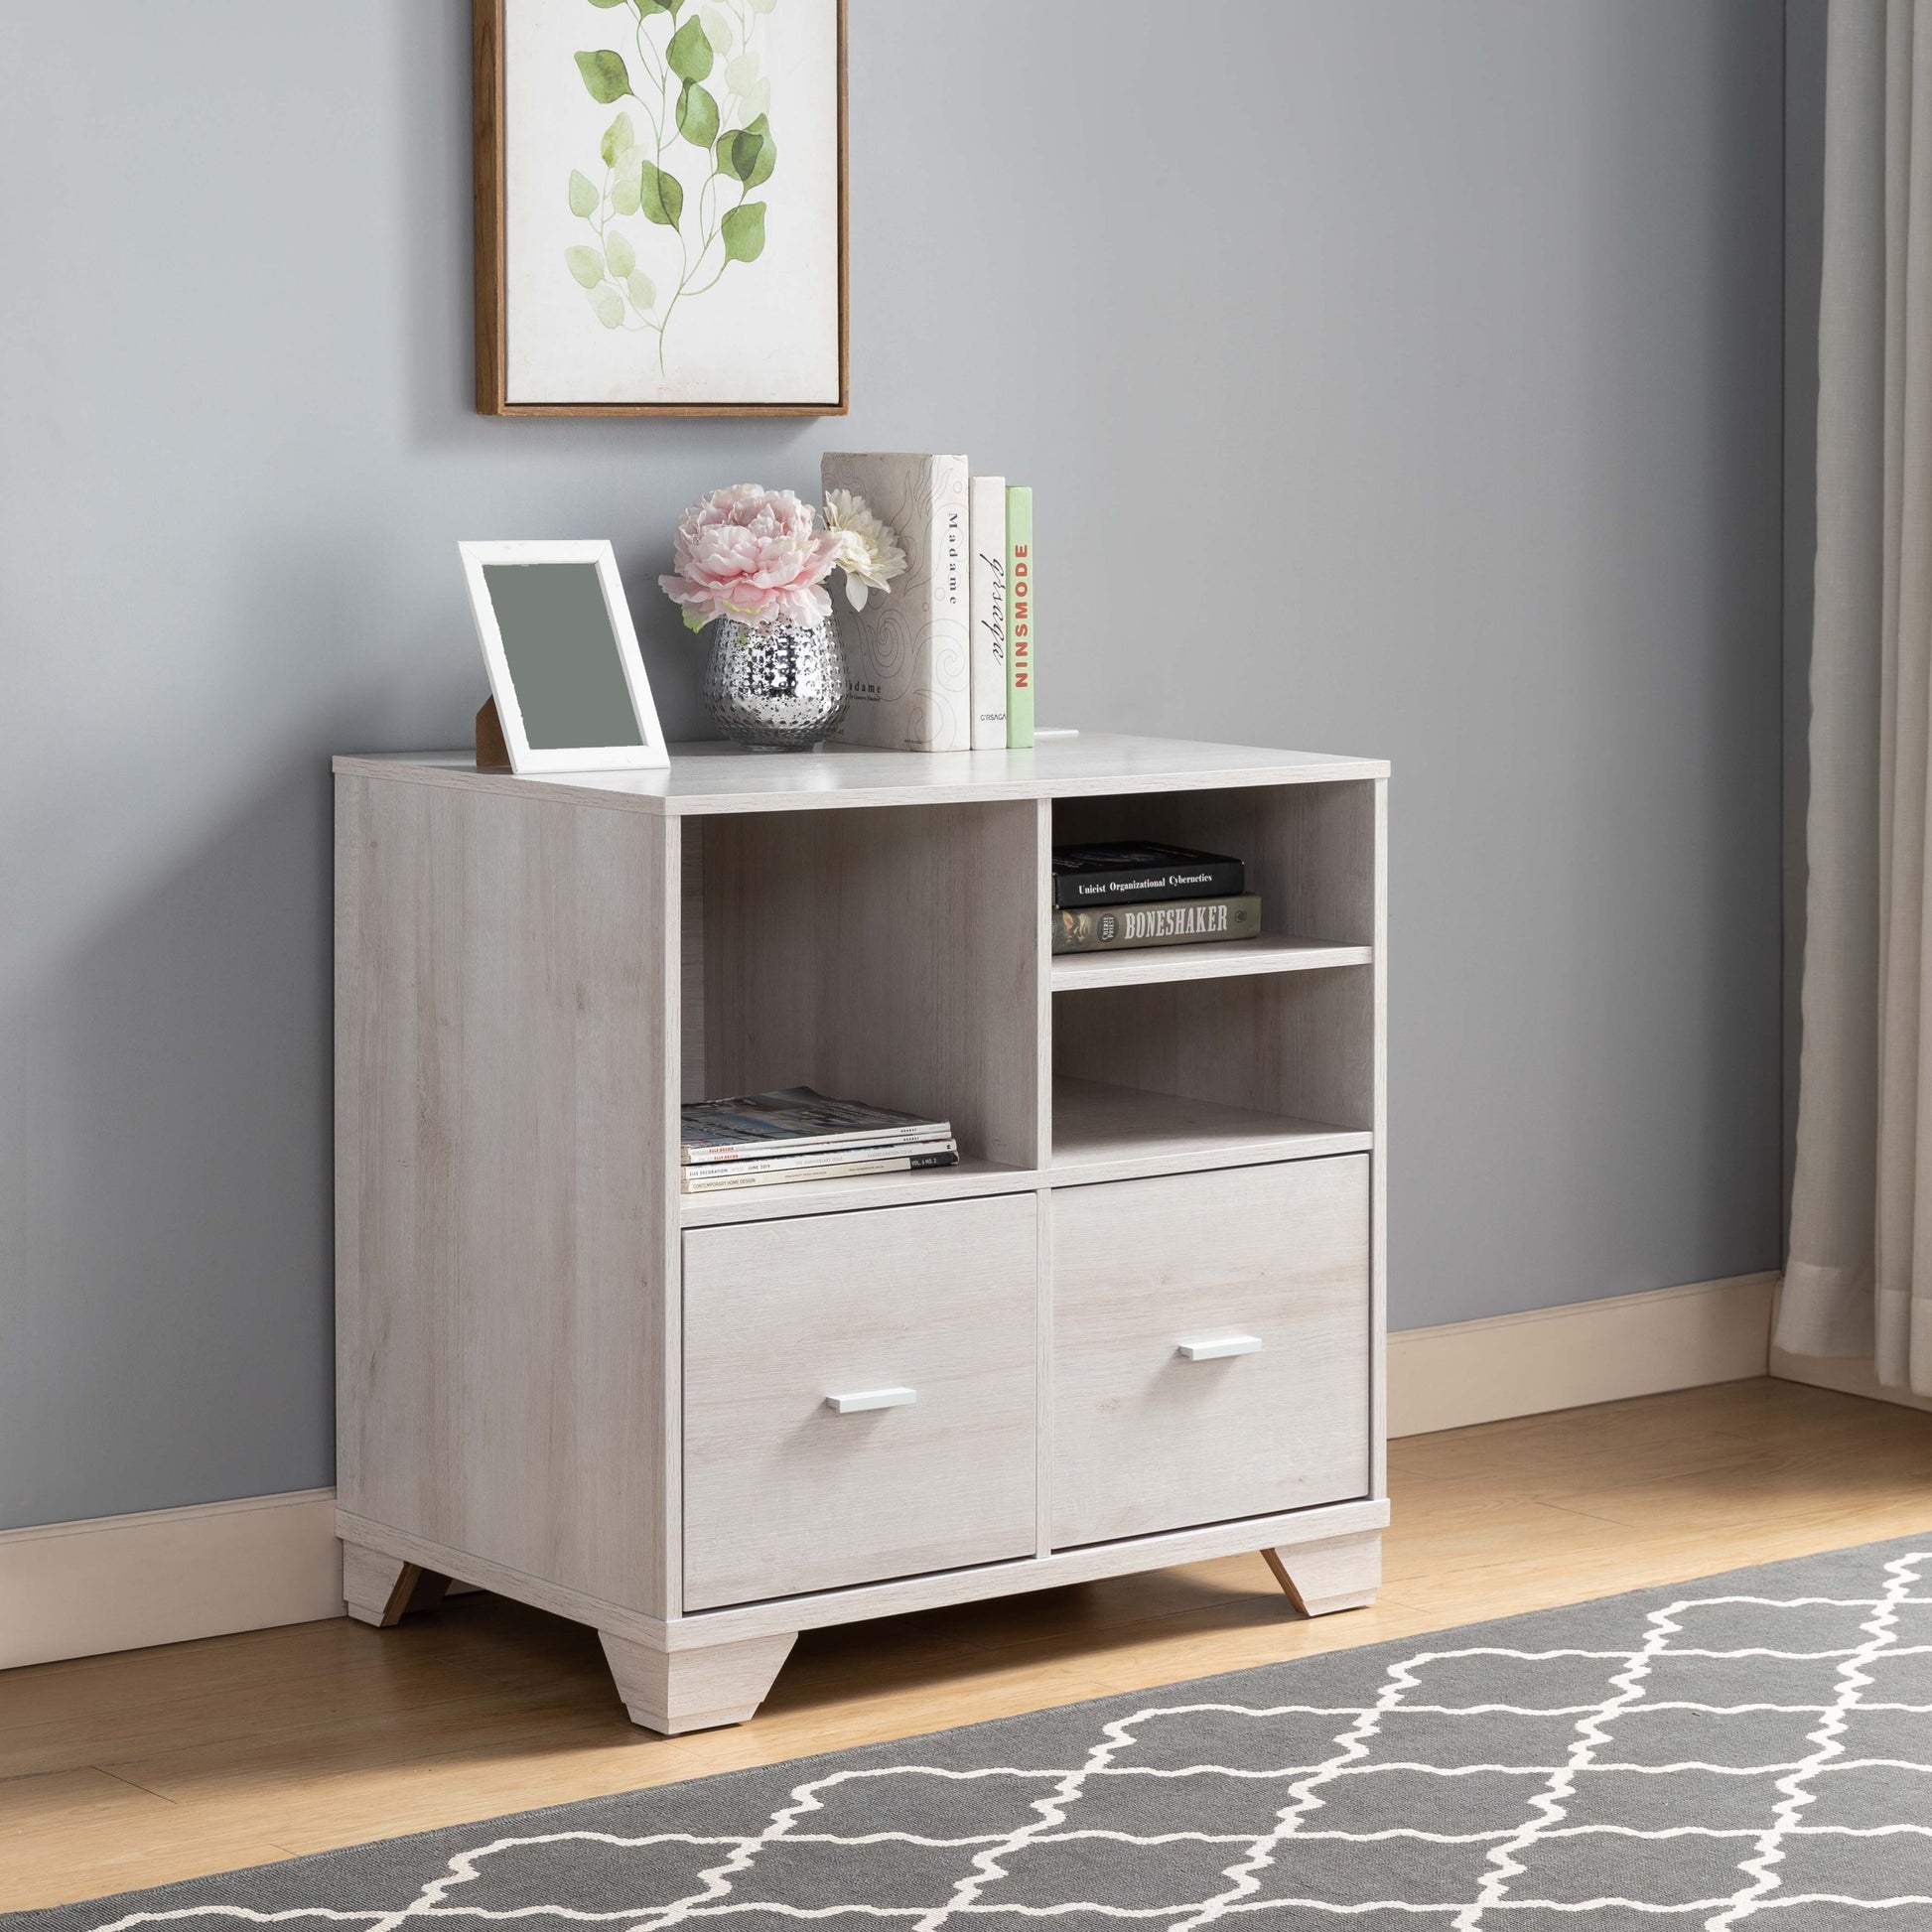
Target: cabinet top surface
{"x":719,"y":777}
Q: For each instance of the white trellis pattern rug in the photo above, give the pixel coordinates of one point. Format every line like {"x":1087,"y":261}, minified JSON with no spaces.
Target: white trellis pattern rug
{"x":1755,"y":1747}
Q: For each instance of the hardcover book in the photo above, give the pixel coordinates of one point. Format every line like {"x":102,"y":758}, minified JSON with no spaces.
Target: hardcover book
{"x":986,"y":524}
{"x":1020,"y":618}
{"x":1158,"y":922}
{"x":794,"y":1119}
{"x":1119,"y":870}
{"x":907,"y":654}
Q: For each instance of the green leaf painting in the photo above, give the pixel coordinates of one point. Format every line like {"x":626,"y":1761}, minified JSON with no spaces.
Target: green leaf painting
{"x":689,"y":53}
{"x":754,"y":154}
{"x":655,"y":230}
{"x":697,"y":116}
{"x":617,"y":137}
{"x":605,"y":75}
{"x":744,"y":230}
{"x":748,"y":153}
{"x":663,"y":197}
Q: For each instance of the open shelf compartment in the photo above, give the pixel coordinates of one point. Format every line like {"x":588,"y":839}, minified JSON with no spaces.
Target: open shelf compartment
{"x":1236,"y":1050}
{"x":1309,"y":853}
{"x":886,"y":956}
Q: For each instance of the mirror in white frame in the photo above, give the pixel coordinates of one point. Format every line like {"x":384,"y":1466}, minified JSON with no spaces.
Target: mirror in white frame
{"x":564,"y":665}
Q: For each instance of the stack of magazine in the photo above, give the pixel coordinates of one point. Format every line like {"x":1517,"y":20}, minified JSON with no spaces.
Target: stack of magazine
{"x":1129,"y":892}
{"x":799,"y":1133}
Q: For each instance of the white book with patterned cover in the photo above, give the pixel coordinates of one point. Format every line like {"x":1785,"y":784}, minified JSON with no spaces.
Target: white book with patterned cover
{"x":907,"y":662}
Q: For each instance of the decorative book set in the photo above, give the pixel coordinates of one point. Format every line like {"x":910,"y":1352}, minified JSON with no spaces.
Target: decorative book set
{"x":944,"y":661}
{"x":1122,"y":893}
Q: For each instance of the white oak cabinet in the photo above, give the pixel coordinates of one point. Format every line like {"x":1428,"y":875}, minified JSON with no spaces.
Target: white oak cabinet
{"x":1140,"y":1323}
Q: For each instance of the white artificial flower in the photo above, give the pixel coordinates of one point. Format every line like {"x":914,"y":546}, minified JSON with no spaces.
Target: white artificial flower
{"x":869,"y":551}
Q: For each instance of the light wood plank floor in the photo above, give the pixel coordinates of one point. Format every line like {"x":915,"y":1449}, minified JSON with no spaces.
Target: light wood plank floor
{"x":159,"y":1764}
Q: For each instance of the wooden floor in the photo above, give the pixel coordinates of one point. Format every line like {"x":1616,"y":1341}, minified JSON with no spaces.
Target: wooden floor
{"x":159,"y":1764}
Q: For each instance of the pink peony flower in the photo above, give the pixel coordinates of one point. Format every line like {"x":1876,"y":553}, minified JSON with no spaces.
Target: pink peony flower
{"x":752,"y":554}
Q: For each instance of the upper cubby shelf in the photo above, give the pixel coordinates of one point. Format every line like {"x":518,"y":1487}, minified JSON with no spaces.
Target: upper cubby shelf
{"x":1272,"y":952}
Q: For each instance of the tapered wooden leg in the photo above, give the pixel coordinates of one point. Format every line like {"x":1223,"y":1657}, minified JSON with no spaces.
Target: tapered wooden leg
{"x":1342,"y":1573}
{"x":673,"y":1691}
{"x":382,"y":1589}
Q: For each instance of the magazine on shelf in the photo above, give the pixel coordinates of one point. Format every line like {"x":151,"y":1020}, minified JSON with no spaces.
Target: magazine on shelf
{"x":796,"y":1120}
{"x":717,"y":1174}
{"x":763,"y":1159}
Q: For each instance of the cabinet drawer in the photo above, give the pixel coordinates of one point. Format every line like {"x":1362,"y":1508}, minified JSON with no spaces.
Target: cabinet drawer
{"x":784,"y":1494}
{"x":1264,"y":1272}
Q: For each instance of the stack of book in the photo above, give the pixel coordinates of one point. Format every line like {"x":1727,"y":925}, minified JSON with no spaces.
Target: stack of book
{"x":799,"y":1134}
{"x":945,"y":659}
{"x":1130,"y":893}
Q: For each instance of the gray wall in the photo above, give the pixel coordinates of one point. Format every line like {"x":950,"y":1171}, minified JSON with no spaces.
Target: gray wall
{"x":1435,"y":348}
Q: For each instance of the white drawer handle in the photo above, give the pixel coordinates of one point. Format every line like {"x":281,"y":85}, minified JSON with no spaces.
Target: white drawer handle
{"x":1221,"y":1348}
{"x":847,"y":1405}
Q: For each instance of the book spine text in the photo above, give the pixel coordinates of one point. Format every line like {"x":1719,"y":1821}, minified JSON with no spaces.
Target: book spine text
{"x":1173,"y":923}
{"x":1210,"y":878}
{"x":1020,"y":618}
{"x":988,"y":531}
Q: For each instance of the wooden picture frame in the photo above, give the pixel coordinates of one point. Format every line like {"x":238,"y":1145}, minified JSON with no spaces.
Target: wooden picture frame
{"x":500,"y":389}
{"x":542,"y":637}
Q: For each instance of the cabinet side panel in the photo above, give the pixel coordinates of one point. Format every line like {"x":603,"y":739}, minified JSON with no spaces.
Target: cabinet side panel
{"x":691,"y":1077}
{"x":506,"y":975}
{"x":1378,"y":1235}
{"x":353,"y":996}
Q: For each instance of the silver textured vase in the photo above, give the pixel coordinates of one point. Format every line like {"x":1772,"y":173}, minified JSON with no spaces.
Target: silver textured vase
{"x":776,"y":687}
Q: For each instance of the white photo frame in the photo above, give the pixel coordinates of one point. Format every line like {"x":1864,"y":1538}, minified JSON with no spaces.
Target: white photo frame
{"x":563,"y":659}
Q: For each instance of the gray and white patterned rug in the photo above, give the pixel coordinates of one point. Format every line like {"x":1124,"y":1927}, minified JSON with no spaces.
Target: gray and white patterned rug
{"x":1754,"y":1746}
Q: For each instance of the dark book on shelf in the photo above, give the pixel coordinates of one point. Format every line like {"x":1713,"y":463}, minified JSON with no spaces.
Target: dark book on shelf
{"x":1120,"y":872}
{"x":1157,"y":923}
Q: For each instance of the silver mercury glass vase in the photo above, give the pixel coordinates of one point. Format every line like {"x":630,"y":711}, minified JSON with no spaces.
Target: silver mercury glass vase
{"x":775,"y":687}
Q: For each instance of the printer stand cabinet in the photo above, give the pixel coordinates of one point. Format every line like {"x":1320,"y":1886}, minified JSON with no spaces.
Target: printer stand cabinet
{"x":1140,"y":1323}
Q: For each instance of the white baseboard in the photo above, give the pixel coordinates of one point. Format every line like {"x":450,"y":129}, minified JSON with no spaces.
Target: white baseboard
{"x":122,"y":1582}
{"x":1588,"y":1351}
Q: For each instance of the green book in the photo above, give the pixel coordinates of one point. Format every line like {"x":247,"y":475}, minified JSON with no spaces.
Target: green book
{"x":1020,"y":618}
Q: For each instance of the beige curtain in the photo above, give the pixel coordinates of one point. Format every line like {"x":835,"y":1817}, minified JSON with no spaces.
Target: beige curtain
{"x":1860,"y":1275}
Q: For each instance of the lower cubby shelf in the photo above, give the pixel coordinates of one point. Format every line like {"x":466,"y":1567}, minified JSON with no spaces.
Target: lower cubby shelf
{"x":1100,"y":1133}
{"x":1105,"y":1133}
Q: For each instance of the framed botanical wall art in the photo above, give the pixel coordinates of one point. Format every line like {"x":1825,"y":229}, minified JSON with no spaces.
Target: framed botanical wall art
{"x":660,"y":208}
